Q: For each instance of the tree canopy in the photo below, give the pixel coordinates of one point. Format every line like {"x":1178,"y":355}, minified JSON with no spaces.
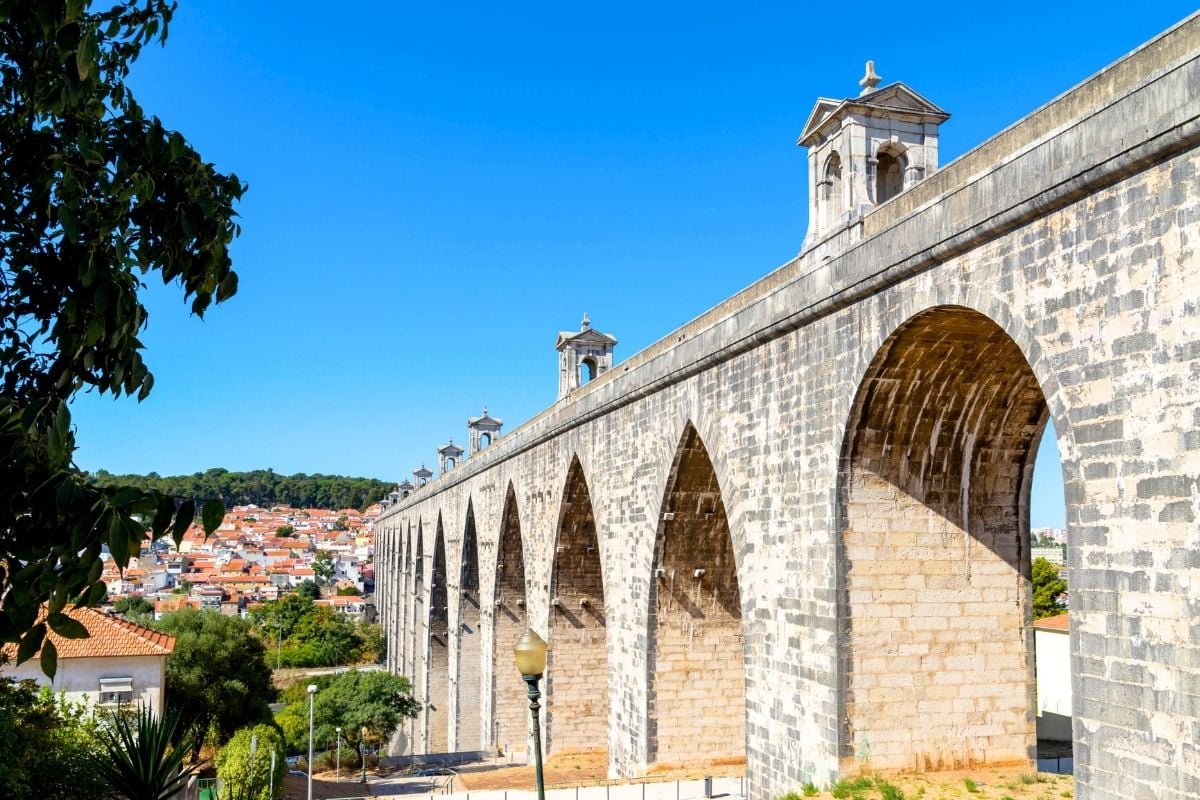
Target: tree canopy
{"x":247,"y":775}
{"x":95,"y":197}
{"x":308,"y":635}
{"x":261,"y":487}
{"x":217,"y":677}
{"x":355,"y":700}
{"x":1048,"y":587}
{"x":46,"y":743}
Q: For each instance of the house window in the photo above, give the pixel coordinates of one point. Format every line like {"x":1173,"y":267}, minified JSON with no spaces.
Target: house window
{"x":116,"y":691}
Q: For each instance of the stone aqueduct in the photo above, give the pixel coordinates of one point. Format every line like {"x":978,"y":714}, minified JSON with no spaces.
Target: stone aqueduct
{"x":796,"y":529}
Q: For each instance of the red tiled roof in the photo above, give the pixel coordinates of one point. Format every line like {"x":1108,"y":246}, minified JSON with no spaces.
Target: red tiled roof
{"x":1060,"y":622}
{"x":110,"y":636}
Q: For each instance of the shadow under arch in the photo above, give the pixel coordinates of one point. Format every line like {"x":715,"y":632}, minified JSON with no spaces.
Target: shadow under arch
{"x":510,"y":709}
{"x":577,"y":697}
{"x":467,"y":684}
{"x":437,"y":661}
{"x":696,"y":666}
{"x":935,"y":655}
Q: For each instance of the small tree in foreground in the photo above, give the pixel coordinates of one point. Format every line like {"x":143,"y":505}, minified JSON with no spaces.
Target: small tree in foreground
{"x":376,"y":701}
{"x":248,"y":775}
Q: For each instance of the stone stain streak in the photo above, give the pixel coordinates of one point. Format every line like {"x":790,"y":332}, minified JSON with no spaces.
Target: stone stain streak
{"x":846,"y":447}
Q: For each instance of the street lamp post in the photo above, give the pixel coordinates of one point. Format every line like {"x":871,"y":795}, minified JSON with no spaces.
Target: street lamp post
{"x":339,"y":754}
{"x":312,"y":694}
{"x":530,"y":652}
{"x":362,"y":753}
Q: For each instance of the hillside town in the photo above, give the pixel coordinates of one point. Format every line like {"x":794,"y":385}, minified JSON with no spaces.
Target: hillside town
{"x":256,"y":555}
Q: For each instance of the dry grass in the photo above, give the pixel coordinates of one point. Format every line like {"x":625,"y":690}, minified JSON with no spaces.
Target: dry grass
{"x":1006,"y":783}
{"x":589,"y":768}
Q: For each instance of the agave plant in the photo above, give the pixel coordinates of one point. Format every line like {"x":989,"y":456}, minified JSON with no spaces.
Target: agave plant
{"x":140,"y":762}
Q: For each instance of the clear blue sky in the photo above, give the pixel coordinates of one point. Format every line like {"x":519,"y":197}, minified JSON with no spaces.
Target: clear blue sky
{"x":437,"y":189}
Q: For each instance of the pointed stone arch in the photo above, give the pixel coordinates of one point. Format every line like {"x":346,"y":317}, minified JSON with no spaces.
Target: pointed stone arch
{"x":577,"y":680}
{"x":468,"y":682}
{"x":420,"y":635}
{"x":933,"y":510}
{"x":696,"y":681}
{"x":438,"y":653}
{"x":510,"y":710}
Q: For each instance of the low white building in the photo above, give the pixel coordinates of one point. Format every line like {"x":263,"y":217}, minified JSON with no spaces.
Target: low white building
{"x":119,"y":663}
{"x":1052,"y":648}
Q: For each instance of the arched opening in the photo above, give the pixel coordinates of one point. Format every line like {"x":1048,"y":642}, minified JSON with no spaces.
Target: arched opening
{"x":889,"y":175}
{"x":485,"y":440}
{"x":406,"y":606}
{"x":449,"y":463}
{"x":1051,"y":620}
{"x":587,"y":370}
{"x":934,"y":487}
{"x":420,"y":635}
{"x":831,"y":190}
{"x":510,"y":706}
{"x":470,"y":736}
{"x":697,"y":672}
{"x":577,"y":684}
{"x":438,"y":674}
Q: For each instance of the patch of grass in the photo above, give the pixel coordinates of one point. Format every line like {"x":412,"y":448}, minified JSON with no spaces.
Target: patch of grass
{"x":888,"y":791}
{"x":1032,"y":777}
{"x":794,"y":796}
{"x":1066,"y":793}
{"x":852,"y":788}
{"x":811,"y":790}
{"x":971,"y":786}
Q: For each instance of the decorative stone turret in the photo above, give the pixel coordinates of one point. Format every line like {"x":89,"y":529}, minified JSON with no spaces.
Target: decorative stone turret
{"x":863,"y":151}
{"x":583,"y":356}
{"x":449,"y":455}
{"x":405,"y":488}
{"x":483,"y":431}
{"x":422,"y":475}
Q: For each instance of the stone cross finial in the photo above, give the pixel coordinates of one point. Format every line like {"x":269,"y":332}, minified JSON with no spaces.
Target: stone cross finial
{"x":870,"y":80}
{"x":587,"y":323}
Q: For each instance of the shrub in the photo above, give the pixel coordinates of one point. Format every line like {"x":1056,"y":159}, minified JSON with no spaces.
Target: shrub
{"x":249,"y":776}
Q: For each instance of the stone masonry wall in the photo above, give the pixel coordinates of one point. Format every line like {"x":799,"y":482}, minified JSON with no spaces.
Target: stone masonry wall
{"x":698,"y":688}
{"x":469,"y":720}
{"x":438,"y":704}
{"x":511,"y":708}
{"x":936,"y":550}
{"x":577,"y":675}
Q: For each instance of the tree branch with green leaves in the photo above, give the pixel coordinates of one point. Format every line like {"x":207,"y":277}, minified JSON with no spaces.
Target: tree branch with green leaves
{"x":96,"y":197}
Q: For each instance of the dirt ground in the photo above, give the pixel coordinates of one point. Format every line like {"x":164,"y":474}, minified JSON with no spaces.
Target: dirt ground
{"x":588,"y":768}
{"x":1009,"y":783}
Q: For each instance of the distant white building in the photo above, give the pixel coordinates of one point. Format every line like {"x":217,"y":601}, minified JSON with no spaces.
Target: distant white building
{"x":120,"y":663}
{"x":1052,"y":648}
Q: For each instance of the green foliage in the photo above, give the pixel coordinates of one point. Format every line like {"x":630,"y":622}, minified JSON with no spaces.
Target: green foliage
{"x":140,"y":760}
{"x":134,"y":606}
{"x":285,"y":531}
{"x":1048,"y":587}
{"x":852,"y":788}
{"x":810,"y":789}
{"x":348,"y":591}
{"x":95,"y":196}
{"x":217,"y":677}
{"x":888,"y":791}
{"x":45,"y":744}
{"x":970,"y":786}
{"x":315,"y":636}
{"x":354,"y":700}
{"x":309,"y":589}
{"x":323,"y":568}
{"x":248,"y":776}
{"x":262,"y":487}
